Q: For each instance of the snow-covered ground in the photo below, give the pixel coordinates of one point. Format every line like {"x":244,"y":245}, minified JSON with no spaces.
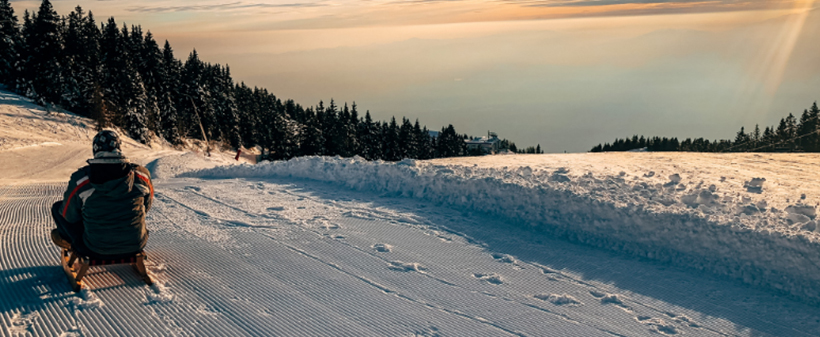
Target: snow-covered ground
{"x":749,"y":216}
{"x":490,"y":246}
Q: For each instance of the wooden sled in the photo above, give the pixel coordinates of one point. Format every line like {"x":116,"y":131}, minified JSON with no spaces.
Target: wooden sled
{"x":76,"y":266}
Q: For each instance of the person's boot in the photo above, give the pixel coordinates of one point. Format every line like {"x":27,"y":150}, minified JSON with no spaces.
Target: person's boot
{"x":58,"y":239}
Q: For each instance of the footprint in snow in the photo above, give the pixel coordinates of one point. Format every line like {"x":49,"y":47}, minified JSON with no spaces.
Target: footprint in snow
{"x":616,"y":299}
{"x":505,"y":258}
{"x":406,"y":266}
{"x":158,"y":294}
{"x":327,"y":225}
{"x":492,"y":278}
{"x":683,"y":319}
{"x":22,"y":323}
{"x":564,"y":299}
{"x":444,"y":238}
{"x":276,"y":209}
{"x":87,"y":301}
{"x":429,"y":332}
{"x":659,"y":325}
{"x":233,"y":223}
{"x":382,"y":247}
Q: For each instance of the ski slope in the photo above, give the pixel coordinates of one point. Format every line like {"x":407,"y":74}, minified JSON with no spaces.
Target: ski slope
{"x":315,"y":247}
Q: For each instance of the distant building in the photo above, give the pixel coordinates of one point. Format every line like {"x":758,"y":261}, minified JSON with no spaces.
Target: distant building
{"x":488,"y":145}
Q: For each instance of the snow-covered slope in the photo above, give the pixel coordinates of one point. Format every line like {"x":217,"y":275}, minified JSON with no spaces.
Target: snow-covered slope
{"x":413,"y":249}
{"x":37,"y":145}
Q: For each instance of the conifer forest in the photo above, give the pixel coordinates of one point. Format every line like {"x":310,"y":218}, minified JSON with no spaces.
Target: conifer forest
{"x":121,"y":76}
{"x":790,"y":135}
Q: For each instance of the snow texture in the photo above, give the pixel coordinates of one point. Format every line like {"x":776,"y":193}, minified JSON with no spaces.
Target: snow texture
{"x":287,"y":256}
{"x":687,"y":222}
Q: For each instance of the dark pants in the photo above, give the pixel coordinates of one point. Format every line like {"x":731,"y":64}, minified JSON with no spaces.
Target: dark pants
{"x":71,"y":232}
{"x":74,"y":234}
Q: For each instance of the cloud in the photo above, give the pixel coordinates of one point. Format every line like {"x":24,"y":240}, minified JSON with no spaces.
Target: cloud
{"x":223,"y":6}
{"x":587,"y":3}
{"x":401,"y":2}
{"x":677,"y":3}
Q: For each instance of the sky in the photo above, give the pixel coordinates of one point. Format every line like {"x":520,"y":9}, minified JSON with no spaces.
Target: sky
{"x":565,"y":74}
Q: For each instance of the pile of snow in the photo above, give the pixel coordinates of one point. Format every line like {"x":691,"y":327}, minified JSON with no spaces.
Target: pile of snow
{"x":713,"y":225}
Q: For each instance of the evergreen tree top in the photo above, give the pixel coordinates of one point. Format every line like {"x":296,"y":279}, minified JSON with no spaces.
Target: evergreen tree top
{"x":8,"y":21}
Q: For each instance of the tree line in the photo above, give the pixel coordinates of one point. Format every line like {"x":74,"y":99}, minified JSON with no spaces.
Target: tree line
{"x":790,"y":135}
{"x":122,"y":77}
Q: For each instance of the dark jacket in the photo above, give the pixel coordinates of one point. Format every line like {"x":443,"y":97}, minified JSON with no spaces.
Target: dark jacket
{"x":111,"y":201}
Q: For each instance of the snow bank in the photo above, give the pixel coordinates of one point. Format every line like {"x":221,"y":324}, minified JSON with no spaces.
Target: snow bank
{"x":693,"y":225}
{"x":173,"y":164}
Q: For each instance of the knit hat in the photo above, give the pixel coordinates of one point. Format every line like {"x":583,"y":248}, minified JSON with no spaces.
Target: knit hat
{"x":107,"y":148}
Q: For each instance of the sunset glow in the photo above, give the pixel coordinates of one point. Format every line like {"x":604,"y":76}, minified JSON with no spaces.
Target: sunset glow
{"x":554,"y":72}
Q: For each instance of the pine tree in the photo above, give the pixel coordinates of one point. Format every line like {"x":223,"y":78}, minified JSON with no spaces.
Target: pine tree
{"x":741,"y":141}
{"x":124,"y":90}
{"x":149,"y":65}
{"x":791,"y":131}
{"x":391,"y":150}
{"x":10,"y":42}
{"x":312,"y":140}
{"x":352,"y":135}
{"x":81,"y":57}
{"x":99,"y":111}
{"x":421,"y":139}
{"x":813,"y":141}
{"x":24,"y":74}
{"x":112,"y":60}
{"x":168,"y":71}
{"x":45,"y":56}
{"x":196,"y":110}
{"x":407,"y":140}
{"x":769,"y":139}
{"x":755,"y":137}
{"x":368,"y":134}
{"x":248,"y":120}
{"x":330,"y":129}
{"x":449,"y":143}
{"x":135,"y":122}
{"x":227,"y":111}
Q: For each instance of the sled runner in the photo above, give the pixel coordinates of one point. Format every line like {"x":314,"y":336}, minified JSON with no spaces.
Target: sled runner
{"x":76,"y":266}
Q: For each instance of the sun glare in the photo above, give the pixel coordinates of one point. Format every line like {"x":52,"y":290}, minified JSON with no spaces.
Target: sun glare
{"x":781,"y":50}
{"x":767,"y":68}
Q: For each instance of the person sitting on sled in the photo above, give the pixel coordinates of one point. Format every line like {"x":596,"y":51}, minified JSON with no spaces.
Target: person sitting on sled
{"x":102,"y":213}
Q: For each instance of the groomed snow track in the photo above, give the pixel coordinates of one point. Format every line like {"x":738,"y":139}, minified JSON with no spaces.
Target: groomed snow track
{"x":302,"y":258}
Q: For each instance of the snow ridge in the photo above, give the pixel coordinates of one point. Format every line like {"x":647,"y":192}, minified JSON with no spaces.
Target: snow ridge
{"x":686,"y":225}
